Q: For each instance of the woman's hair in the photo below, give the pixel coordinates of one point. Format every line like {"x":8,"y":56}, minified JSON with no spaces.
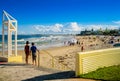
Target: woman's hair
{"x":27,"y":42}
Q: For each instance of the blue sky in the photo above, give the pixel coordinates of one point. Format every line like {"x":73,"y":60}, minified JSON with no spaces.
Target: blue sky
{"x":62,"y":16}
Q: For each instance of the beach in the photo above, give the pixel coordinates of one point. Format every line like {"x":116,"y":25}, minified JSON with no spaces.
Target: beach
{"x":66,"y":54}
{"x":55,"y":56}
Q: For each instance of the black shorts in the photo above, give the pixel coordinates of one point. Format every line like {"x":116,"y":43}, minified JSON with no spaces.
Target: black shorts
{"x":33,"y":56}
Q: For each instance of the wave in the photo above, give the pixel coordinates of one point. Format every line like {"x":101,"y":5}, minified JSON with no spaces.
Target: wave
{"x":20,"y":40}
{"x":44,"y":39}
{"x":42,"y":42}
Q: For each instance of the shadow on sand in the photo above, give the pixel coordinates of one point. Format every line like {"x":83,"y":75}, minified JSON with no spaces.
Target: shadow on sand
{"x":11,"y":64}
{"x":54,"y":76}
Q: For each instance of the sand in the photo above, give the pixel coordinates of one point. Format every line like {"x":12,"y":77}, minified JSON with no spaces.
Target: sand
{"x":18,"y":73}
{"x":21,"y":72}
{"x":59,"y":58}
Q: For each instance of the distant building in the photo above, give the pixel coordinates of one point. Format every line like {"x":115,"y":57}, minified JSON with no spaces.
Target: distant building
{"x":85,"y":32}
{"x":101,"y":32}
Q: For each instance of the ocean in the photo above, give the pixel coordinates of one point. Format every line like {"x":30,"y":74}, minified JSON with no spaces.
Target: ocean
{"x":40,"y":40}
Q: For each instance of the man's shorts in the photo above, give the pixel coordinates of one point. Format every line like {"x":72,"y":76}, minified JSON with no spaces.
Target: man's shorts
{"x":33,"y":56}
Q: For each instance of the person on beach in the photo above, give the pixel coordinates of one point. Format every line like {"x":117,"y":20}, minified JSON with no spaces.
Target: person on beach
{"x":33,"y":50}
{"x":82,"y":47}
{"x":27,"y":51}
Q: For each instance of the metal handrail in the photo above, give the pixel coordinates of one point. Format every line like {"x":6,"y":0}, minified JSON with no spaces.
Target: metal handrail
{"x":53,"y":65}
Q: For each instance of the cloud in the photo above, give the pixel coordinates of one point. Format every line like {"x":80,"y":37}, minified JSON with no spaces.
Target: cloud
{"x":103,"y":27}
{"x":95,"y":27}
{"x":57,"y":28}
{"x":116,"y":22}
{"x":68,"y":28}
{"x":21,"y":32}
{"x":75,"y":27}
{"x":71,"y":27}
{"x":48,"y":28}
{"x":113,"y":27}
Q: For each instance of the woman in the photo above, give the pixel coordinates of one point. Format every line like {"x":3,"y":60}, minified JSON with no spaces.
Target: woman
{"x":27,"y":51}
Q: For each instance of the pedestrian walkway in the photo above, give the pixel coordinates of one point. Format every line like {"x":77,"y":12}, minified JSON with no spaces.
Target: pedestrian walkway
{"x":23,"y":72}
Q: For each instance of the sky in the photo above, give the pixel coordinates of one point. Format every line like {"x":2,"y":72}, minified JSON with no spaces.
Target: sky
{"x":62,"y":16}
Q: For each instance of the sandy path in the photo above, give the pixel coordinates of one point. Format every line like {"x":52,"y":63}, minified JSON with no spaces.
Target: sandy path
{"x":22,"y":72}
{"x":18,"y":72}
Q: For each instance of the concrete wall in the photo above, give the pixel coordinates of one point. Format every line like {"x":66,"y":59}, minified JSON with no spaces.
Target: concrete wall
{"x":92,"y":60}
{"x":14,"y":59}
{"x":3,"y":59}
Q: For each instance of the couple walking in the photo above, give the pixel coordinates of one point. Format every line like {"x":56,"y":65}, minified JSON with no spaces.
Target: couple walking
{"x":28,"y":51}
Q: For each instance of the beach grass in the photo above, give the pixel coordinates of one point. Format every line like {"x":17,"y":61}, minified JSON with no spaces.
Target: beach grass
{"x":111,"y":73}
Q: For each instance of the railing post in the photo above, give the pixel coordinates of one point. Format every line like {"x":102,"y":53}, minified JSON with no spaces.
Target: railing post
{"x":52,"y":62}
{"x":63,"y":67}
{"x":38,"y":60}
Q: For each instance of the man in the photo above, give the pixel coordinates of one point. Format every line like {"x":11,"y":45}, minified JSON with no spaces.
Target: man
{"x":33,"y":50}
